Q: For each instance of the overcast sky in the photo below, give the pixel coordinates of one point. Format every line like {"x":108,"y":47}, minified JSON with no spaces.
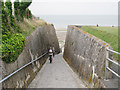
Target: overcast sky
{"x":74,"y":7}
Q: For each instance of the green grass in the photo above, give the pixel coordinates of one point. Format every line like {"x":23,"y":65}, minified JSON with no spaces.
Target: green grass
{"x":111,"y":30}
{"x":28,"y":26}
{"x":107,"y":34}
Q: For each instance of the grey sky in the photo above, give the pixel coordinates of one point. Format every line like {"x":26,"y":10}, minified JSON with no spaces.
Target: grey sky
{"x":74,"y":7}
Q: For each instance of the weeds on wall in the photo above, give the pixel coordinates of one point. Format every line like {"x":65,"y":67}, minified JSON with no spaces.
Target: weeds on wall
{"x":13,"y":39}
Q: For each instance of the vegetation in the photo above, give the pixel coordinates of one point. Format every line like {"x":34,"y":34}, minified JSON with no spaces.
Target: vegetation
{"x":29,"y":25}
{"x":15,"y":28}
{"x":0,"y":30}
{"x":21,"y":10}
{"x":17,"y":10}
{"x":108,"y":34}
{"x":12,"y":47}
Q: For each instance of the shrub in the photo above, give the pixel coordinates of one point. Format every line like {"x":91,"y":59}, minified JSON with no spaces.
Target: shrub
{"x":13,"y":38}
{"x":12,"y":46}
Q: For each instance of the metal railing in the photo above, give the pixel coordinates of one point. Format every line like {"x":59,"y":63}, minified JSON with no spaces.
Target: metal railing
{"x":107,"y":63}
{"x":21,"y":68}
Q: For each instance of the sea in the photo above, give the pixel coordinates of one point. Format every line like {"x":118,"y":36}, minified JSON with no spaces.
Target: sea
{"x":61,"y":22}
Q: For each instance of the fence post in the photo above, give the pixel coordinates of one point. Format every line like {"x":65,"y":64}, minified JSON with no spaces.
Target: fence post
{"x":106,"y":63}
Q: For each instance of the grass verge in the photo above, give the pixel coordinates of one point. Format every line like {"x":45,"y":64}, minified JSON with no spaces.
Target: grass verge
{"x":107,"y":34}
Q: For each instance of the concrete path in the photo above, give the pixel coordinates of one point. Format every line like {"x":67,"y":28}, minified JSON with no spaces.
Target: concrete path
{"x":56,"y":75}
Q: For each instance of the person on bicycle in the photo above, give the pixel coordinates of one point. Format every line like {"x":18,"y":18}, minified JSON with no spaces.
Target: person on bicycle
{"x":50,"y":54}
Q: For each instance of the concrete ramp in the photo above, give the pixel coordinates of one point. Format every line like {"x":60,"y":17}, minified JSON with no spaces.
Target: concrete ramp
{"x":56,"y":75}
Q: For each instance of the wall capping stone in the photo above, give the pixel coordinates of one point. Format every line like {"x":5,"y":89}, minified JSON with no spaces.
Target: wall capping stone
{"x":105,"y":44}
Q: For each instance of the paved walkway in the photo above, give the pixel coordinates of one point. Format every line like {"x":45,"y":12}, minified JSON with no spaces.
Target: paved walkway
{"x":56,"y":75}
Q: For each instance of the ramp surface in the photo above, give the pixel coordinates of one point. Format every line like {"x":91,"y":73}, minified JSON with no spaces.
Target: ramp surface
{"x":56,"y":75}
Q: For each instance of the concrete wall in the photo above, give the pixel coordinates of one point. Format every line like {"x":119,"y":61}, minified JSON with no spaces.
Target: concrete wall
{"x":36,"y":44}
{"x":84,"y":51}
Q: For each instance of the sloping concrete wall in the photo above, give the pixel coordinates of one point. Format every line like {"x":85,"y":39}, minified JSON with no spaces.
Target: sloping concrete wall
{"x":36,"y":44}
{"x":83,"y":52}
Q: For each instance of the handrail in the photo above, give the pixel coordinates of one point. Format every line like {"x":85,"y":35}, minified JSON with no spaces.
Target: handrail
{"x":107,"y":63}
{"x":112,"y":51}
{"x":113,"y":72}
{"x":113,"y":61}
{"x":2,"y":80}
